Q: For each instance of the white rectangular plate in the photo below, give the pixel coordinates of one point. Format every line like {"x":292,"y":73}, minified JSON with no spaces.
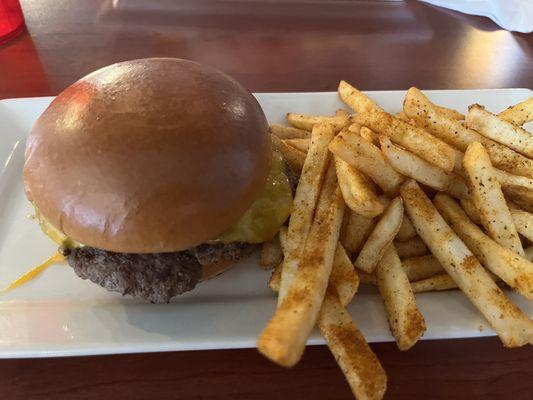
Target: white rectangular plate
{"x":59,"y":314}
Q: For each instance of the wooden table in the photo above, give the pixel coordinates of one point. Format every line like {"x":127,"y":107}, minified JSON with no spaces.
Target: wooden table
{"x":271,"y":46}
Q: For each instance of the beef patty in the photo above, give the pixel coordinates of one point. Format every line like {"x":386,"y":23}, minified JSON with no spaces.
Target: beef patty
{"x":155,"y":277}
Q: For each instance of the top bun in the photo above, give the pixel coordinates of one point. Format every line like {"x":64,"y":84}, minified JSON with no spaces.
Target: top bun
{"x":147,"y":156}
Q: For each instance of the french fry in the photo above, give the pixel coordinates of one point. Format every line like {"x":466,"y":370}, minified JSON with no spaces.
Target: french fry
{"x":356,"y":231}
{"x":417,"y":94}
{"x":357,"y":192}
{"x":405,"y":319}
{"x":407,"y":230}
{"x":300,"y":144}
{"x":275,"y":278}
{"x":288,"y":132}
{"x":271,"y":254}
{"x":409,"y":164}
{"x":488,"y":198}
{"x":403,"y":116}
{"x":521,"y":196}
{"x":307,"y":122}
{"x":369,"y":135}
{"x":512,"y":326}
{"x":411,"y":248}
{"x":506,"y":133}
{"x":355,"y":99}
{"x":519,"y":114}
{"x":283,"y":339}
{"x":523,"y":222}
{"x":528,"y":251}
{"x":355,"y":128}
{"x":434,"y":283}
{"x":422,"y":267}
{"x":381,"y":237}
{"x":367,"y":279}
{"x":294,"y":157}
{"x":305,"y":200}
{"x":517,"y":187}
{"x":343,"y":276}
{"x":414,"y":139}
{"x":456,"y":134}
{"x":360,"y":366}
{"x":470,"y":209}
{"x":367,"y":158}
{"x":516,"y":271}
{"x":511,"y":181}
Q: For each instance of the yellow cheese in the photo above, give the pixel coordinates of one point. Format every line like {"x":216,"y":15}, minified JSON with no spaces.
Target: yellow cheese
{"x":268,"y":212}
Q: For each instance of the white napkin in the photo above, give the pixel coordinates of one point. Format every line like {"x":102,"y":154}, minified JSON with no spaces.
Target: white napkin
{"x":511,"y":15}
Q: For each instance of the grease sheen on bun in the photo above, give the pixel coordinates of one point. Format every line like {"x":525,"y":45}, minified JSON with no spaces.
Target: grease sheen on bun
{"x":147,"y":156}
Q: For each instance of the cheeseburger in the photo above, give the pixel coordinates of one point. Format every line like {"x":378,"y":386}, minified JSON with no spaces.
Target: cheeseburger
{"x":155,"y":174}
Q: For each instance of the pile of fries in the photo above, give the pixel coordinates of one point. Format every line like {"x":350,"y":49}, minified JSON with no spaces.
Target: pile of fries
{"x":419,"y":201}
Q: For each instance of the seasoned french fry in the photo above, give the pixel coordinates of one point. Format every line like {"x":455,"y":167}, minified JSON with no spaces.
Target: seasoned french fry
{"x":275,"y":278}
{"x":523,"y":222}
{"x":528,"y":251}
{"x":434,"y":283}
{"x":305,"y":200}
{"x":516,"y":271}
{"x":411,"y":248}
{"x":367,"y":279}
{"x":488,"y":198}
{"x":381,"y":237}
{"x":355,"y":99}
{"x":369,"y":135}
{"x":521,"y":196}
{"x":283,"y":339}
{"x":356,"y":231}
{"x":512,"y":326}
{"x":357,"y":192}
{"x":456,"y":134}
{"x":288,"y":132}
{"x":518,"y":114}
{"x":403,"y":116}
{"x":422,"y":267}
{"x":282,"y":236}
{"x":355,"y":128}
{"x":407,"y":230}
{"x":409,"y":164}
{"x":417,"y":94}
{"x":271,"y":254}
{"x":489,"y":125}
{"x":405,"y":319}
{"x":360,"y":366}
{"x":300,"y":144}
{"x":294,"y":157}
{"x":470,"y":209}
{"x":367,"y":158}
{"x":508,"y":180}
{"x":343,"y":276}
{"x":414,"y":139}
{"x":307,"y":122}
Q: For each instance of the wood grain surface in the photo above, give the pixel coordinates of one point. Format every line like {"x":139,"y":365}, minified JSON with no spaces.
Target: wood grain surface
{"x":271,"y":46}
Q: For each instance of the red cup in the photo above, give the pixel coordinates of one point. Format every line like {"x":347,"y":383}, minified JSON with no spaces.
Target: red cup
{"x":11,"y":20}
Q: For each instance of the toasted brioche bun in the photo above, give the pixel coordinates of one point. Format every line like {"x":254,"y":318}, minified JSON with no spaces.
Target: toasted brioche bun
{"x":148,"y":156}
